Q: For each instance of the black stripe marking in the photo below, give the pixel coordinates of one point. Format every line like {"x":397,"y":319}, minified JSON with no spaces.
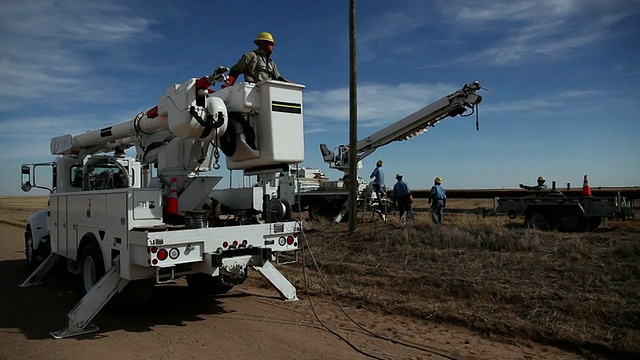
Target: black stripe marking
{"x":105,"y":132}
{"x":287,"y":107}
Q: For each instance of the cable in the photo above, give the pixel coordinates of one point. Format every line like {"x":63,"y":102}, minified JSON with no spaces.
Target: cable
{"x":306,"y":282}
{"x":433,"y":351}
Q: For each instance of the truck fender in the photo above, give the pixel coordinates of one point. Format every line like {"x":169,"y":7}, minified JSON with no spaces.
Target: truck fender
{"x":39,"y":226}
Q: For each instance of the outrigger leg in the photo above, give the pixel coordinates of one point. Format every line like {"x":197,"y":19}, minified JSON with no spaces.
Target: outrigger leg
{"x":277,"y":280}
{"x":41,"y":271}
{"x":89,"y":306}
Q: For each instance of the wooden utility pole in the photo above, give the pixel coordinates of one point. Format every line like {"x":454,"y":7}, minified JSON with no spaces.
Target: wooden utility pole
{"x":353,"y":119}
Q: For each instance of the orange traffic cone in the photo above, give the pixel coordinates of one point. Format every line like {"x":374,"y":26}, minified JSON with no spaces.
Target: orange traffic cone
{"x":172,"y":201}
{"x":586,"y":189}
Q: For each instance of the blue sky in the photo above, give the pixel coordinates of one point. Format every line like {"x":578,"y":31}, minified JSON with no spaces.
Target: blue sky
{"x":563,"y":78}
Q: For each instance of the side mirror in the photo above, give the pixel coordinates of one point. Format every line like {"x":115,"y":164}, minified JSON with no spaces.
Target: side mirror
{"x":25,"y":178}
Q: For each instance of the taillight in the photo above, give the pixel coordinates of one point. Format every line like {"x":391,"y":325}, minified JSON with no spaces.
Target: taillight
{"x":162,"y":254}
{"x":290,"y":240}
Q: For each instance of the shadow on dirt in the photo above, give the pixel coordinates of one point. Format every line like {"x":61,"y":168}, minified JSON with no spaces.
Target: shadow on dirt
{"x":36,"y":311}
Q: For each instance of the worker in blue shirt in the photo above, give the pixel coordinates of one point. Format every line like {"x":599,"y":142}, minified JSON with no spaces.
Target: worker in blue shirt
{"x":540,"y":186}
{"x":402,"y":194}
{"x":378,"y":180}
{"x":438,"y":200}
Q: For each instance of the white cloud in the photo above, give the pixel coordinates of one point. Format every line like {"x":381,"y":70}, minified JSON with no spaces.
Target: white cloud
{"x":54,"y":51}
{"x":525,"y":31}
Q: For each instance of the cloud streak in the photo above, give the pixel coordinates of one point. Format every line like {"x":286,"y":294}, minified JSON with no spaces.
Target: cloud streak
{"x":56,"y":50}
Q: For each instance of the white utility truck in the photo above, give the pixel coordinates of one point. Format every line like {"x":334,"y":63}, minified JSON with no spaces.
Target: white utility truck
{"x":331,"y":197}
{"x":129,"y":222}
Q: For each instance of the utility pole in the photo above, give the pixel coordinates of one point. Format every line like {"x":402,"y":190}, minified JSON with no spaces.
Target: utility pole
{"x":353,"y":119}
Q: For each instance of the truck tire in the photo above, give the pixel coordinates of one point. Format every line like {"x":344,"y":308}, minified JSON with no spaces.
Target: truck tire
{"x":594,"y":222}
{"x":572,"y":220}
{"x":537,"y":220}
{"x":315,"y":212}
{"x":91,"y":266}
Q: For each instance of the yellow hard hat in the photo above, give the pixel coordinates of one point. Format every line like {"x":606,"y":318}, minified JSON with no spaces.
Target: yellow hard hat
{"x":438,"y":180}
{"x":379,"y":163}
{"x":398,"y":175}
{"x":541,"y":178}
{"x":264,"y":36}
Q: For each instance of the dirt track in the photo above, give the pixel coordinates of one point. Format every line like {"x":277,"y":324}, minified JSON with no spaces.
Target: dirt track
{"x":250,"y":322}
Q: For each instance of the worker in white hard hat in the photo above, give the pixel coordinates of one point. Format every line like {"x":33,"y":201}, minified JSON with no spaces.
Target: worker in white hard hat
{"x":257,"y":65}
{"x":378,"y":180}
{"x":541,"y":186}
{"x":438,"y":200}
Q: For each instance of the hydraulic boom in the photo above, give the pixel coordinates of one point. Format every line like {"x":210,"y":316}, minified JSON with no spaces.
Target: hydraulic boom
{"x":462,"y":102}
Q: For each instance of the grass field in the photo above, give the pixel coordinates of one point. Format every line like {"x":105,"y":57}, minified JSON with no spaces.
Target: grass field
{"x":15,"y":210}
{"x":580,"y":292}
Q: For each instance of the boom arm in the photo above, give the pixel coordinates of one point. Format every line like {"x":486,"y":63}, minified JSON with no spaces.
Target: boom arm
{"x":415,"y":124}
{"x":179,"y":112}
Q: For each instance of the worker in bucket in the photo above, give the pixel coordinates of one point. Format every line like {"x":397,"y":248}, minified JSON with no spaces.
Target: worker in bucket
{"x":257,"y":65}
{"x":378,"y":180}
{"x":541,"y":186}
{"x":403,"y":197}
{"x":438,"y":200}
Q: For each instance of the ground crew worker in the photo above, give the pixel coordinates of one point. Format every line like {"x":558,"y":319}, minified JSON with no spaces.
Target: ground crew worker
{"x":438,"y":200}
{"x":402,"y":194}
{"x":378,"y":180}
{"x":257,"y":65}
{"x":541,"y":186}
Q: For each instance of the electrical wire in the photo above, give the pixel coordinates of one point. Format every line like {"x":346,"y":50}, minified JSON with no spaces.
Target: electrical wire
{"x":432,"y":351}
{"x":315,"y":313}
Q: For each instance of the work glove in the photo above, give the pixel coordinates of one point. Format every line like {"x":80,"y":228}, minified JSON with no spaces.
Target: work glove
{"x":229,"y":82}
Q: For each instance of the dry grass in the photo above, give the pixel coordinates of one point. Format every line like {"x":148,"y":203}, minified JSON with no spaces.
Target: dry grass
{"x":577,"y":291}
{"x":15,"y":210}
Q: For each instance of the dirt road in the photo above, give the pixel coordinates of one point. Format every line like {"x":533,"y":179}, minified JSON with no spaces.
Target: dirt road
{"x":250,"y":322}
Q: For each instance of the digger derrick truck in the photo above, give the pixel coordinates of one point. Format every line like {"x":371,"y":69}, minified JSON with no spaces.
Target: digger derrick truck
{"x":122,"y":226}
{"x":331,"y":198}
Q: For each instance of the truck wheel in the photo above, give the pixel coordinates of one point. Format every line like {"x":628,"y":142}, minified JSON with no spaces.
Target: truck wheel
{"x":315,"y":212}
{"x":594,"y":222}
{"x":91,"y":266}
{"x":572,"y":222}
{"x":29,"y":251}
{"x":537,"y":220}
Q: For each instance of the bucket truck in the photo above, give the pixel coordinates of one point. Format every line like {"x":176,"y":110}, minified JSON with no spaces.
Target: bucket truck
{"x":331,"y":198}
{"x":129,"y":222}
